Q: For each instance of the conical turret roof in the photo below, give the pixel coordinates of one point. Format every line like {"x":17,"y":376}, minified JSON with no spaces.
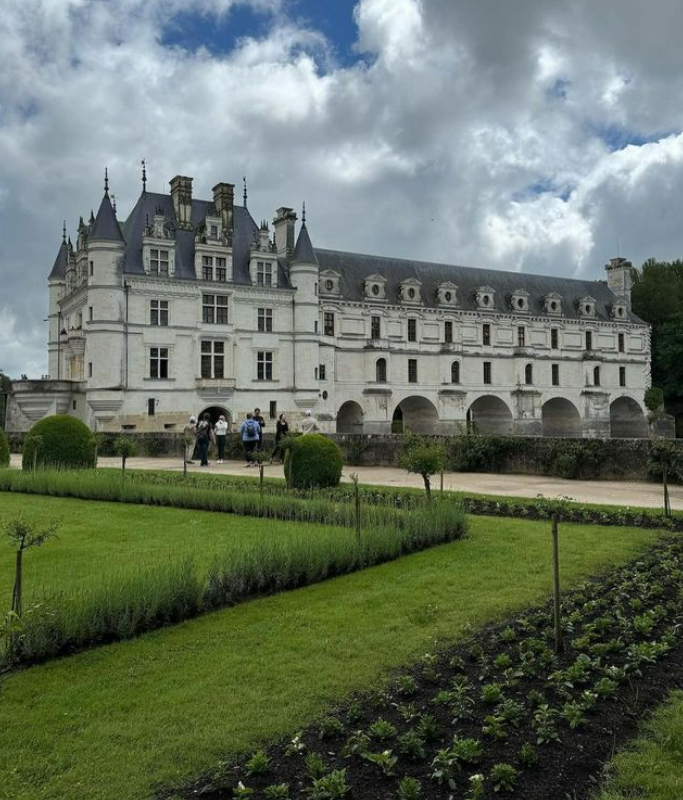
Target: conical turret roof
{"x":106,"y":227}
{"x":303,"y":251}
{"x":61,"y":262}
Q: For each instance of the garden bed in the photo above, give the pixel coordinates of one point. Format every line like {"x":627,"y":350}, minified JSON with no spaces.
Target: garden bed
{"x":501,"y":706}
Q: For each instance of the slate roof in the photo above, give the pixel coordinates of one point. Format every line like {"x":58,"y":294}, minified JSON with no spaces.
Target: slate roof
{"x":106,"y":227}
{"x":61,"y":263}
{"x":303,"y":251}
{"x":354,"y":268}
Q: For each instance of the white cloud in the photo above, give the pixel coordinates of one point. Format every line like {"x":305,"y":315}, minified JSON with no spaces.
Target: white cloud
{"x":470,"y":132}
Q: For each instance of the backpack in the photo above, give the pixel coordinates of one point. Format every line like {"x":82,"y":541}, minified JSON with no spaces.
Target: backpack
{"x":251,"y":427}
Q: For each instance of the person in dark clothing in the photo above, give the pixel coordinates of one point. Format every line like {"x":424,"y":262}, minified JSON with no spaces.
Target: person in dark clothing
{"x":249,"y":432}
{"x":281,"y":430}
{"x":204,"y":431}
{"x":261,"y":425}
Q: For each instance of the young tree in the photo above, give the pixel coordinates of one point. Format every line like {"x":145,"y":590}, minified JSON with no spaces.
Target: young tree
{"x":24,"y":535}
{"x":126,"y":448}
{"x":422,"y":457}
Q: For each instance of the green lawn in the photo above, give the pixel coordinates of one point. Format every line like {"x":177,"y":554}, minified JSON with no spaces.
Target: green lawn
{"x":652,"y":767}
{"x":98,"y":540}
{"x":119,"y":721}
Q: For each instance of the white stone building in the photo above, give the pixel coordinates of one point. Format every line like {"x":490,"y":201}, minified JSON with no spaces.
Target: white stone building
{"x":189,"y":305}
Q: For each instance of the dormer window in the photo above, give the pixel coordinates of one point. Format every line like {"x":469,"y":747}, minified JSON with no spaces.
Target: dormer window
{"x":619,"y":311}
{"x":553,"y":303}
{"x":158,"y":261}
{"x":329,"y":282}
{"x":586,"y":306}
{"x":375,"y":287}
{"x":411,"y":291}
{"x":519,"y":301}
{"x":484,"y":297}
{"x":447,"y":294}
{"x":264,"y":273}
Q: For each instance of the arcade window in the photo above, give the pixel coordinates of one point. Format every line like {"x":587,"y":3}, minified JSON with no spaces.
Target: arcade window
{"x":412,"y":370}
{"x":487,"y":372}
{"x":486,"y":333}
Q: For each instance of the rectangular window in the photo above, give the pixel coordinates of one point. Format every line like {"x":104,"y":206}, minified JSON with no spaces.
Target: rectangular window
{"x":412,"y":370}
{"x":90,"y":369}
{"x":158,"y":262}
{"x":622,"y":343}
{"x":521,"y":336}
{"x":90,"y":313}
{"x":92,"y":267}
{"x":487,"y":372}
{"x":589,"y":340}
{"x":328,"y":323}
{"x":158,"y":362}
{"x":554,"y":338}
{"x":215,"y":308}
{"x":158,"y":312}
{"x":375,"y":330}
{"x":212,"y":359}
{"x":264,"y":366}
{"x":207,"y":273}
{"x":151,"y":406}
{"x":486,"y":334}
{"x":321,"y":372}
{"x":273,"y":409}
{"x":555,"y":374}
{"x":214,"y":231}
{"x":264,"y":273}
{"x":622,"y":376}
{"x":412,"y":330}
{"x":221,"y":274}
{"x":448,"y":332}
{"x":265,"y":320}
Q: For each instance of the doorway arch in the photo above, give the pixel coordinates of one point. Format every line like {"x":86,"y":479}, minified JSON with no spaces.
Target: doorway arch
{"x":215,"y":412}
{"x":561,"y":418}
{"x":415,"y":414}
{"x":350,"y":418}
{"x":627,"y":420}
{"x":490,"y":414}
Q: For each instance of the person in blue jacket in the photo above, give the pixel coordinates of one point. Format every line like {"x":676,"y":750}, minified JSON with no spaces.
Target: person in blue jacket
{"x":250,"y":433}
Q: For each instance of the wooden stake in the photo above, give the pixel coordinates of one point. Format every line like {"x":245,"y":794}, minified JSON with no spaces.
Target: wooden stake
{"x":556,"y":585}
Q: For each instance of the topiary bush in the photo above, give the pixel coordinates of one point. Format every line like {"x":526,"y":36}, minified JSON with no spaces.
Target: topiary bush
{"x":312,"y":462}
{"x":60,"y":441}
{"x":4,"y":449}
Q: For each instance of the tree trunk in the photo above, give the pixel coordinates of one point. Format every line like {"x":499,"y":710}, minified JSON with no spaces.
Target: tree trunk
{"x":667,"y":503}
{"x":16,"y":593}
{"x":556,"y":586}
{"x":428,"y":486}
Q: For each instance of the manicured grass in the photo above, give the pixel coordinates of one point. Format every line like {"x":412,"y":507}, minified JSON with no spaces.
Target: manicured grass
{"x":122,"y":720}
{"x":97,"y":540}
{"x":652,"y":767}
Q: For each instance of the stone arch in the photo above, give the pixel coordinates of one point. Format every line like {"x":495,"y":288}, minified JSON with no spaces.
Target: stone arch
{"x":560,"y":417}
{"x":416,"y":414}
{"x":627,"y":420}
{"x":490,"y":414}
{"x":215,"y":412}
{"x":350,"y":418}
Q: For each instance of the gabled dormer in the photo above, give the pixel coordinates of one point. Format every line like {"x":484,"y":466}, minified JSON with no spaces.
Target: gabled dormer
{"x":586,"y":307}
{"x":263,"y":259}
{"x":619,"y":310}
{"x":552,"y":304}
{"x":519,"y":301}
{"x":375,"y":288}
{"x":158,"y":246}
{"x":410,"y":291}
{"x":484,"y":297}
{"x":447,"y":294}
{"x":329,"y":285}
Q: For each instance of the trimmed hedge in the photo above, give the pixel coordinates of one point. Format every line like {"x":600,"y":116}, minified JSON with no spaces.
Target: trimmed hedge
{"x":4,"y":449}
{"x":60,"y":441}
{"x":312,"y":461}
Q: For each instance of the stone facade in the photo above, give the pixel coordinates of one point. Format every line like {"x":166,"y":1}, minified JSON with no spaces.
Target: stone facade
{"x":190,"y":305}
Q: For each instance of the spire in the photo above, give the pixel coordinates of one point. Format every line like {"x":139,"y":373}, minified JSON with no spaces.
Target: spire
{"x":244,"y":194}
{"x":106,"y":181}
{"x":303,"y":213}
{"x":144,"y":177}
{"x":113,"y":203}
{"x":64,"y":231}
{"x":91,"y":221}
{"x":303,"y":252}
{"x":106,"y":226}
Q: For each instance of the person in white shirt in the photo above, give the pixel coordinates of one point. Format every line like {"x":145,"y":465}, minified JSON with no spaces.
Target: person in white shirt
{"x":309,"y":424}
{"x":221,"y":431}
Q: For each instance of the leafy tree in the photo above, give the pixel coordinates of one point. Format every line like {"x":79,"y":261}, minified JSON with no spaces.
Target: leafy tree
{"x":24,"y":535}
{"x":422,"y":457}
{"x":125,"y":447}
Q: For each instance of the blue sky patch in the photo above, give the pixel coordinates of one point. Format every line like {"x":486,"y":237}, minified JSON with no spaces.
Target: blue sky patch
{"x":559,"y":89}
{"x":617,"y":137}
{"x":542,"y":186}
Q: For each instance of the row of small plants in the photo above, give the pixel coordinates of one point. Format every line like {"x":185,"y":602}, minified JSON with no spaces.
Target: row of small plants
{"x":502,"y":715}
{"x":409,"y":498}
{"x":125,"y":606}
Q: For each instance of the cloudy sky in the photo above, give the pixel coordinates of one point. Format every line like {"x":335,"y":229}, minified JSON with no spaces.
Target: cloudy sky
{"x":525,"y":135}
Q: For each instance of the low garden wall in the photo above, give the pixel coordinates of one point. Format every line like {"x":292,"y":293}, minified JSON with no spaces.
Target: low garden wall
{"x":531,"y":455}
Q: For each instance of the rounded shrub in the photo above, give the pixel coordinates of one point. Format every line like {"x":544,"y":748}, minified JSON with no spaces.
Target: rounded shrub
{"x":312,"y":462}
{"x":4,"y":450}
{"x":60,"y":441}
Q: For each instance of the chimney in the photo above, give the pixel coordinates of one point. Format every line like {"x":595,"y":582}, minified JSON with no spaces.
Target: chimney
{"x":181,"y":193}
{"x":224,"y":200}
{"x":283,"y":224}
{"x":620,"y":279}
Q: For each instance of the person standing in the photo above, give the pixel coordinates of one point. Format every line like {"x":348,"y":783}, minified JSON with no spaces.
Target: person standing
{"x":309,"y":424}
{"x":262,"y":424}
{"x":190,"y":432}
{"x":204,"y":430}
{"x":281,"y":430}
{"x":221,"y":435}
{"x":249,"y":431}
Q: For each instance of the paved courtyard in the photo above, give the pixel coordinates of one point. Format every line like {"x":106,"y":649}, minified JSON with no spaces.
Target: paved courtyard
{"x":627,"y":493}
